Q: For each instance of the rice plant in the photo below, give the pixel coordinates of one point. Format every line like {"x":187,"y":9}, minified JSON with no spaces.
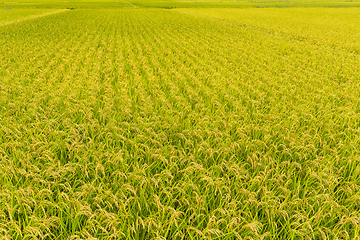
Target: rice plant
{"x":136,"y":123}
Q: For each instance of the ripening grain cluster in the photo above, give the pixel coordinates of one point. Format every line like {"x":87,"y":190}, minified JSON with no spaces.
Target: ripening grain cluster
{"x":181,"y":124}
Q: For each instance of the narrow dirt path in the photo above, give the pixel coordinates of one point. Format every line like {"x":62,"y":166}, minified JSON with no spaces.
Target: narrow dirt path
{"x":134,"y":6}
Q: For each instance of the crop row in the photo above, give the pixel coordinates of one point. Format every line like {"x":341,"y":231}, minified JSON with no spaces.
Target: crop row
{"x":138,"y":124}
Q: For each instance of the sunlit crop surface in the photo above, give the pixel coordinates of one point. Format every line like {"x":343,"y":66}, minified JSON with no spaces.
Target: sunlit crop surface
{"x":10,"y":16}
{"x":181,"y":124}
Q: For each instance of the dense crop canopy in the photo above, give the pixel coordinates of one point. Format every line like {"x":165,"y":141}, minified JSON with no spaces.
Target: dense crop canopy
{"x":137,"y":124}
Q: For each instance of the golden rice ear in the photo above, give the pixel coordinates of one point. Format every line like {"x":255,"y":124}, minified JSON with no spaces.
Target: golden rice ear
{"x":191,"y":123}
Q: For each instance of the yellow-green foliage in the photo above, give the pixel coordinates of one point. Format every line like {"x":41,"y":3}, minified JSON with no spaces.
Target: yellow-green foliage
{"x":321,"y":26}
{"x":178,"y":3}
{"x":142,"y":124}
{"x":9,"y":15}
{"x":65,"y":4}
